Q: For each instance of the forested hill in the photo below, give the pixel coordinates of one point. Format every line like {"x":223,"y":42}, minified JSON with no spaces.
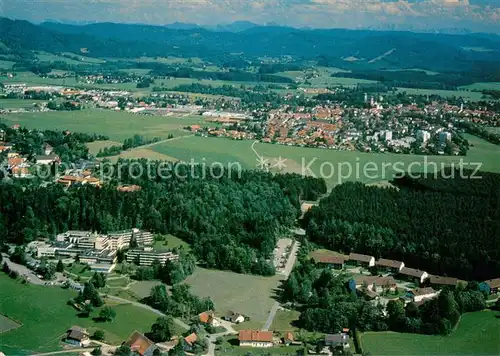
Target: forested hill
{"x":443,"y":226}
{"x":408,"y":50}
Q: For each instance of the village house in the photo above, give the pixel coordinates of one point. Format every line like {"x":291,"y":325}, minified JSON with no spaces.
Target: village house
{"x":234,"y":317}
{"x":330,"y":261}
{"x":255,"y":338}
{"x":390,"y":265}
{"x":419,"y":294}
{"x":77,"y":336}
{"x":376,"y":283}
{"x":189,"y":342}
{"x":492,"y":284}
{"x":414,"y":275}
{"x":337,"y":340}
{"x":361,"y":260}
{"x":439,"y":281}
{"x":47,"y":150}
{"x":208,"y":317}
{"x":140,"y":345}
{"x":47,"y":159}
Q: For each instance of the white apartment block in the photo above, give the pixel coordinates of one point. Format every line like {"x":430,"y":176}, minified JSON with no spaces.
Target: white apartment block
{"x":146,"y":256}
{"x":423,"y":135}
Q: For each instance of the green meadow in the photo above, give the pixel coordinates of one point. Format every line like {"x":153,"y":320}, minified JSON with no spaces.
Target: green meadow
{"x":477,"y":334}
{"x":117,"y":125}
{"x":335,"y":166}
{"x":44,"y":317}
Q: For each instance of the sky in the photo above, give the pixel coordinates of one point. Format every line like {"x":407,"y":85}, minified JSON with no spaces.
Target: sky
{"x":474,"y":15}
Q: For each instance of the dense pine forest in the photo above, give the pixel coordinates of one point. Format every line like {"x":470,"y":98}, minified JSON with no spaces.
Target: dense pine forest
{"x":443,"y":226}
{"x":231,"y":222}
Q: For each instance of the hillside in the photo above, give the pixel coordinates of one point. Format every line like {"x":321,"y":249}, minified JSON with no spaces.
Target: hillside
{"x":439,"y":52}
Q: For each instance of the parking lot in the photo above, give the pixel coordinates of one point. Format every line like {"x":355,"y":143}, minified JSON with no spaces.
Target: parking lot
{"x":281,"y":253}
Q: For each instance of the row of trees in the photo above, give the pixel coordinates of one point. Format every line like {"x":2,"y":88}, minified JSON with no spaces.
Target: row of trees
{"x":135,"y":141}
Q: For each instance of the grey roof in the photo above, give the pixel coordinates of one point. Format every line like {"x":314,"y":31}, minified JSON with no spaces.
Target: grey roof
{"x":339,"y":338}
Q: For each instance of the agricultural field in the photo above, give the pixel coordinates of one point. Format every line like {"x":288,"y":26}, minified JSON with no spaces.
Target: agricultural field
{"x":45,"y":317}
{"x":494,"y":129}
{"x":6,"y":64}
{"x":142,"y":289}
{"x":482,"y":86}
{"x":19,"y":103}
{"x":476,"y":334}
{"x":469,"y":95}
{"x":242,"y":293}
{"x":334,"y":166}
{"x":117,"y":125}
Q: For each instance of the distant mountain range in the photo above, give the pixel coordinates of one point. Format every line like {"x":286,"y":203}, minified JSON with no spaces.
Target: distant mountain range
{"x":350,"y":49}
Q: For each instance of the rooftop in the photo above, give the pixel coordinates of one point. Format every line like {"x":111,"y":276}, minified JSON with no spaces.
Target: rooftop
{"x":389,"y":263}
{"x":359,"y":257}
{"x":256,"y":335}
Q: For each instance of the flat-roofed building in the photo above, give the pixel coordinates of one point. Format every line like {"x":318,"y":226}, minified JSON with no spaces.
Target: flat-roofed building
{"x":146,"y":256}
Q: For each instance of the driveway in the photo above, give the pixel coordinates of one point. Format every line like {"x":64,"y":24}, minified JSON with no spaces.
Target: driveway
{"x":213,"y":337}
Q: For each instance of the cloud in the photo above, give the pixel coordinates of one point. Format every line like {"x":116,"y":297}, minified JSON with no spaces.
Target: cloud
{"x":474,"y":14}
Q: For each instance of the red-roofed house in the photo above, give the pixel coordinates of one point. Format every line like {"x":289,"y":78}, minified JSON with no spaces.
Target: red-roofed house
{"x":256,"y":338}
{"x":208,"y":317}
{"x":140,"y":344}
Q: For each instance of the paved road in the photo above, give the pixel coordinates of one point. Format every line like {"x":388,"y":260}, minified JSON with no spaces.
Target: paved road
{"x":286,"y":272}
{"x":144,"y":306}
{"x":213,"y":337}
{"x":23,"y":271}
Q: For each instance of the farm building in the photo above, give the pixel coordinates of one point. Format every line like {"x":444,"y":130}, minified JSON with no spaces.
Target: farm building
{"x":337,"y":340}
{"x":361,"y":260}
{"x":412,"y":274}
{"x":390,"y":265}
{"x":77,"y":336}
{"x":255,"y":338}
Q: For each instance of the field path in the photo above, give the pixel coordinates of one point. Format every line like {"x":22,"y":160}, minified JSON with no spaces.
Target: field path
{"x":144,"y":306}
{"x":163,"y":141}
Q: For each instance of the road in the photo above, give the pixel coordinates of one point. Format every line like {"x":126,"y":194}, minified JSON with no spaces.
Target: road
{"x":213,"y":337}
{"x":23,"y":271}
{"x":88,"y":349}
{"x":147,"y":307}
{"x":286,"y":272}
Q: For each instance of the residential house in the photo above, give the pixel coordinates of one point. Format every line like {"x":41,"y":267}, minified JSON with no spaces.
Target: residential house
{"x":418,"y":294}
{"x":77,"y":336}
{"x":390,"y":265}
{"x":208,"y":317}
{"x":412,"y":274}
{"x":439,"y":281}
{"x":48,"y":149}
{"x":288,"y":338}
{"x":48,"y":159}
{"x":234,"y":317}
{"x":337,"y":340}
{"x":140,"y":344}
{"x":330,"y":261}
{"x":256,"y":338}
{"x":376,"y":284}
{"x":361,"y":260}
{"x":492,"y":284}
{"x":189,"y":342}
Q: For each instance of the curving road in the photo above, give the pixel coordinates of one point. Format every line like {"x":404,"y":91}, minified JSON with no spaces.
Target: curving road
{"x":147,"y":307}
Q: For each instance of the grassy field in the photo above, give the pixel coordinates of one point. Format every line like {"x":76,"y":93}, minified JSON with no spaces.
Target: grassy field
{"x":142,"y":288}
{"x":246,"y":294}
{"x":483,"y":86}
{"x":477,"y":334}
{"x":347,"y":165}
{"x":6,"y":64}
{"x":494,"y":129}
{"x":283,"y":321}
{"x":7,"y":324}
{"x":170,"y":242}
{"x":45,"y":317}
{"x":18,"y":103}
{"x":117,"y":125}
{"x":470,"y":95}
